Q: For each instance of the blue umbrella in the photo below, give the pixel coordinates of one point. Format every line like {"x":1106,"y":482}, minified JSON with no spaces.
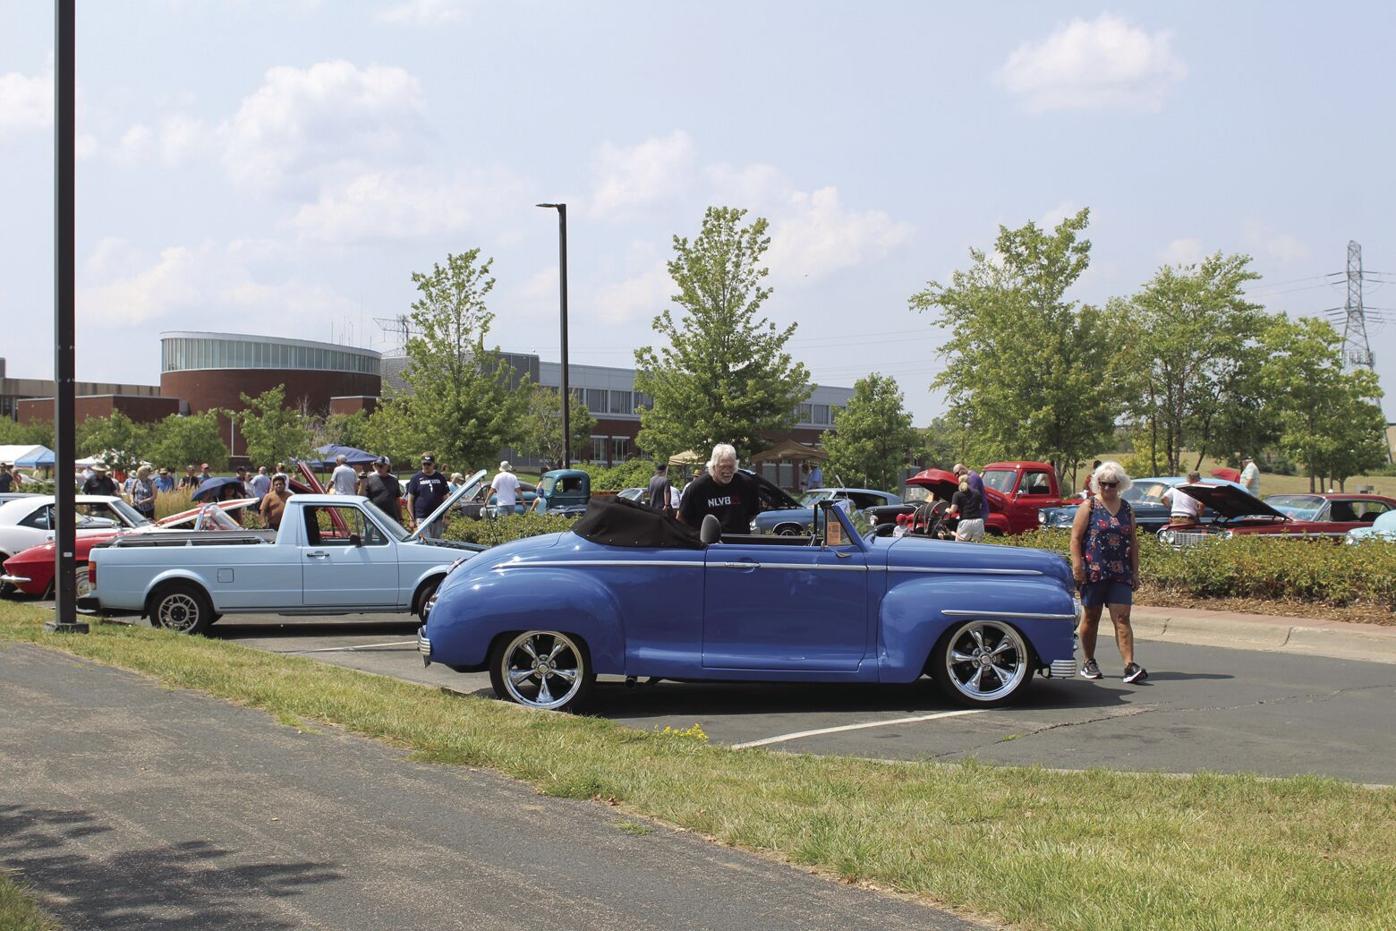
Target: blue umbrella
{"x":210,"y":489}
{"x":352,"y":456}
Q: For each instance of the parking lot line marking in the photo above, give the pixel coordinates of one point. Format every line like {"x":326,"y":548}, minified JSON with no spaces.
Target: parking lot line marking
{"x":360,"y":646}
{"x":856,"y":727}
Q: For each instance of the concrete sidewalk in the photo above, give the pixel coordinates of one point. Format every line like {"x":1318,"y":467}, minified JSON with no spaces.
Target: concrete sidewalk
{"x":129,"y":806}
{"x":1265,"y":632}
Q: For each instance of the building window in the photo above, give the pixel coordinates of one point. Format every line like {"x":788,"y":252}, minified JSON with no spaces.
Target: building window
{"x":620,"y":448}
{"x":643,"y":400}
{"x":620,"y":402}
{"x":598,"y":448}
{"x":821,"y":414}
{"x":806,"y":414}
{"x":596,"y":400}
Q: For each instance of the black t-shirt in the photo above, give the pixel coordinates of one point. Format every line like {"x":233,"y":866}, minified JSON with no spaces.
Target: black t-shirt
{"x":99,"y":485}
{"x":386,"y":492}
{"x":734,"y":504}
{"x":658,"y":497}
{"x":427,"y":491}
{"x":966,"y":505}
{"x":6,"y":482}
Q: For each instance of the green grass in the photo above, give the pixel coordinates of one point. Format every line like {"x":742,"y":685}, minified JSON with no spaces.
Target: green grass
{"x":18,"y":911}
{"x":1035,"y":848}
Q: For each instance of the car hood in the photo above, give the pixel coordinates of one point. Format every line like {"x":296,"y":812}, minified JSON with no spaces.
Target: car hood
{"x":471,"y":486}
{"x":1230,"y":501}
{"x":976,"y":558}
{"x":938,"y":482}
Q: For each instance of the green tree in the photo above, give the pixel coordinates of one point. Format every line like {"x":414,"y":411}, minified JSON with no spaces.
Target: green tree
{"x":1193,"y":350}
{"x":721,"y":372}
{"x":181,"y":439}
{"x":542,"y":426}
{"x":1331,"y":420}
{"x":1028,"y":371}
{"x":463,"y":405}
{"x":271,"y":431}
{"x":14,"y":433}
{"x":873,"y":439}
{"x":117,"y":438}
{"x":944,"y":442}
{"x":342,"y":430}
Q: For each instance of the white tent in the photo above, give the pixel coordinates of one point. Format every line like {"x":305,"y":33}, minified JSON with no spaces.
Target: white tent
{"x":13,"y":454}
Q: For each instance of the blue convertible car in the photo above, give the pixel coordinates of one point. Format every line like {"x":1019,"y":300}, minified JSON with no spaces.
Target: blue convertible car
{"x":631,"y":592}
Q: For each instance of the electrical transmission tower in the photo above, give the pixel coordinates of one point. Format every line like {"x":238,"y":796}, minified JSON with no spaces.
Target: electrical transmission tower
{"x":1357,"y":351}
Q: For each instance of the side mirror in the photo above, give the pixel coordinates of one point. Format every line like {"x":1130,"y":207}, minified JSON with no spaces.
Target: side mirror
{"x":355,"y":540}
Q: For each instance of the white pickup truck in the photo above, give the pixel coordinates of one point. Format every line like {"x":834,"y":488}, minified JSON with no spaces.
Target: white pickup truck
{"x":333,"y":554}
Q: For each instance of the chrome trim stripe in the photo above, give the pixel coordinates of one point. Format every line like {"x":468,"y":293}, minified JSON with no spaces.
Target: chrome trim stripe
{"x":15,"y":579}
{"x":966,"y":571}
{"x":1066,"y":668}
{"x":553,"y":563}
{"x":790,"y":565}
{"x":1021,"y":614}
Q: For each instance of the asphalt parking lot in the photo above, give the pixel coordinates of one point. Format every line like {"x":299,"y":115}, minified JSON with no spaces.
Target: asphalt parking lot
{"x":1202,"y":709}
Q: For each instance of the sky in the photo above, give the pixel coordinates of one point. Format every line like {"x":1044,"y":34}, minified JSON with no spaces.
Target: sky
{"x":284,"y":167}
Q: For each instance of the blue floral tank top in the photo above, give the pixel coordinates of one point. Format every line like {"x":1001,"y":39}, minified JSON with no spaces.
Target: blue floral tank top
{"x":1108,"y":539}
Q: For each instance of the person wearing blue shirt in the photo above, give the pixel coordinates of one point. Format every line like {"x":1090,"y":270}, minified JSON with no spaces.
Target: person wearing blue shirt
{"x":425,"y":492}
{"x":816,"y":477}
{"x":164,"y":481}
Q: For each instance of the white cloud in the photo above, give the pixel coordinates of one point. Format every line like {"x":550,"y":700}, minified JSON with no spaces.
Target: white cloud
{"x":632,"y":177}
{"x":1104,"y":63}
{"x":403,"y":204}
{"x":1268,"y":243}
{"x":182,"y":137}
{"x":1057,"y":214}
{"x":1186,"y":251}
{"x":641,"y":296}
{"x":818,"y":236}
{"x":205,"y":279}
{"x":423,"y":12}
{"x":757,"y":186}
{"x":303,"y":122}
{"x":26,"y":102}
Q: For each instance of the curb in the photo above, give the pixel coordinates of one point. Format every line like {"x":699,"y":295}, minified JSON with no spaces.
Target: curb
{"x":1300,"y":636}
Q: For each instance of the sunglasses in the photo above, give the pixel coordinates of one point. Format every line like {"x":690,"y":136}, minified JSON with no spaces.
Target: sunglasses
{"x":1109,"y":484}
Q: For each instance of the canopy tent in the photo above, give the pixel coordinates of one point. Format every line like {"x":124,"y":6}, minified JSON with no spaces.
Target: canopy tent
{"x":790,"y":451}
{"x":688,"y":457}
{"x":40,"y":457}
{"x":351,"y":456}
{"x":19,"y":455}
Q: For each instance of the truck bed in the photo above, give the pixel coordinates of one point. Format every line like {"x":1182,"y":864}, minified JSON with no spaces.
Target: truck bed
{"x":193,"y":538}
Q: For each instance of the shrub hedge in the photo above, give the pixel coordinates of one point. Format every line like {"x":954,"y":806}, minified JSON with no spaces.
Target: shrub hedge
{"x":1254,"y":567}
{"x":495,"y":532}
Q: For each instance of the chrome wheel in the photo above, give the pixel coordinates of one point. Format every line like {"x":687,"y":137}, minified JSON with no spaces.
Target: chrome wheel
{"x":985,"y":661}
{"x":542,"y":669}
{"x":178,"y":611}
{"x":82,"y":583}
{"x":788,"y":530}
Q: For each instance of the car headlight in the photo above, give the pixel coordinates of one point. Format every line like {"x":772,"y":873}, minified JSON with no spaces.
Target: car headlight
{"x":1167,"y":537}
{"x":1042,"y":517}
{"x":1226,"y":534}
{"x":753,"y":528}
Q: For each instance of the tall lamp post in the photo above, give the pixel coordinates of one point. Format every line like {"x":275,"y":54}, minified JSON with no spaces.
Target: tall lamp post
{"x":562,"y":285}
{"x":65,"y":617}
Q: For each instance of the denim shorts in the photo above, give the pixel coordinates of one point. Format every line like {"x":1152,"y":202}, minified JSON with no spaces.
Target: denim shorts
{"x":1106,"y":592}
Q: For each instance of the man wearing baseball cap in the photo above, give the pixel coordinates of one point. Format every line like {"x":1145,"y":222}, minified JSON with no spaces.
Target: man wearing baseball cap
{"x":383,"y":489}
{"x":425,"y":492}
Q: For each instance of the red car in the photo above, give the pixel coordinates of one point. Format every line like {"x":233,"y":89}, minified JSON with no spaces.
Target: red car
{"x":1328,"y":516}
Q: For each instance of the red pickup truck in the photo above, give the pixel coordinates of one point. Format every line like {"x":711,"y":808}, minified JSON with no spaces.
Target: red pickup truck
{"x":1016,"y":490}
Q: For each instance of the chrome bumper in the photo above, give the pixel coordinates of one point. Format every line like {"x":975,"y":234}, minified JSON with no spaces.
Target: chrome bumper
{"x":424,"y":648}
{"x":14,"y":579}
{"x":1063,"y":668}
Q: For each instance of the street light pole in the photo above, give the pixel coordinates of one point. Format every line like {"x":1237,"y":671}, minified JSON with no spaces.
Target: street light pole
{"x":65,"y":618}
{"x":562,"y":287}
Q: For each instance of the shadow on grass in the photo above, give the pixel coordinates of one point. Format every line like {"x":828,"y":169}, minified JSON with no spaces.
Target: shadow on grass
{"x":170,"y":887}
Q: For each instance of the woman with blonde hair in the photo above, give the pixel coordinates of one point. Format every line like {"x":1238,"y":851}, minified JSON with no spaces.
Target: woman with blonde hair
{"x":1105,"y":564}
{"x":143,"y":493}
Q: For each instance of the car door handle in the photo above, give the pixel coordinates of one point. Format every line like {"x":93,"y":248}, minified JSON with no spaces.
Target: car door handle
{"x":317,"y":555}
{"x":747,"y":564}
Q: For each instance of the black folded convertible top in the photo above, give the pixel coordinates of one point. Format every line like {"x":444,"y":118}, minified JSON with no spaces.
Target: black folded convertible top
{"x":618,"y":522}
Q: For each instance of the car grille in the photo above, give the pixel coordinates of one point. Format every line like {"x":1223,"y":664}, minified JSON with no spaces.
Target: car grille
{"x":1190,"y":537}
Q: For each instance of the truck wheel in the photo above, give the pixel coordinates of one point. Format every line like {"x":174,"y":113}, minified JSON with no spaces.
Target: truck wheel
{"x":789,"y":530}
{"x":182,"y":607}
{"x":419,"y":603}
{"x":982,"y":663}
{"x":542,"y":669}
{"x":82,"y":583}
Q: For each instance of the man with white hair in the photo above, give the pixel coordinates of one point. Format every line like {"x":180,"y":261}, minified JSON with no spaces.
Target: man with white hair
{"x":727,"y":494}
{"x":506,"y":489}
{"x":1250,"y":476}
{"x":343,"y":480}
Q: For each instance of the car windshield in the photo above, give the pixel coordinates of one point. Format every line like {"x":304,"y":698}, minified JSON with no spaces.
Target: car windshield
{"x":1145,"y":491}
{"x":999,"y":479}
{"x":811,"y":498}
{"x":393,"y":528}
{"x":915,"y":494}
{"x":1300,"y":507}
{"x":129,"y":514}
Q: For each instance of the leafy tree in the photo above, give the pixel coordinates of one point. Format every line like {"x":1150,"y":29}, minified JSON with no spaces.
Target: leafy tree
{"x":388,"y":434}
{"x":118,"y":438}
{"x":272,"y":432}
{"x":462,"y":405}
{"x":1330,"y":419}
{"x":14,"y":433}
{"x":721,"y":373}
{"x":1192,"y":346}
{"x":342,"y":430}
{"x":1028,"y":371}
{"x":873,"y":438}
{"x":542,"y":426}
{"x":180,"y":439}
